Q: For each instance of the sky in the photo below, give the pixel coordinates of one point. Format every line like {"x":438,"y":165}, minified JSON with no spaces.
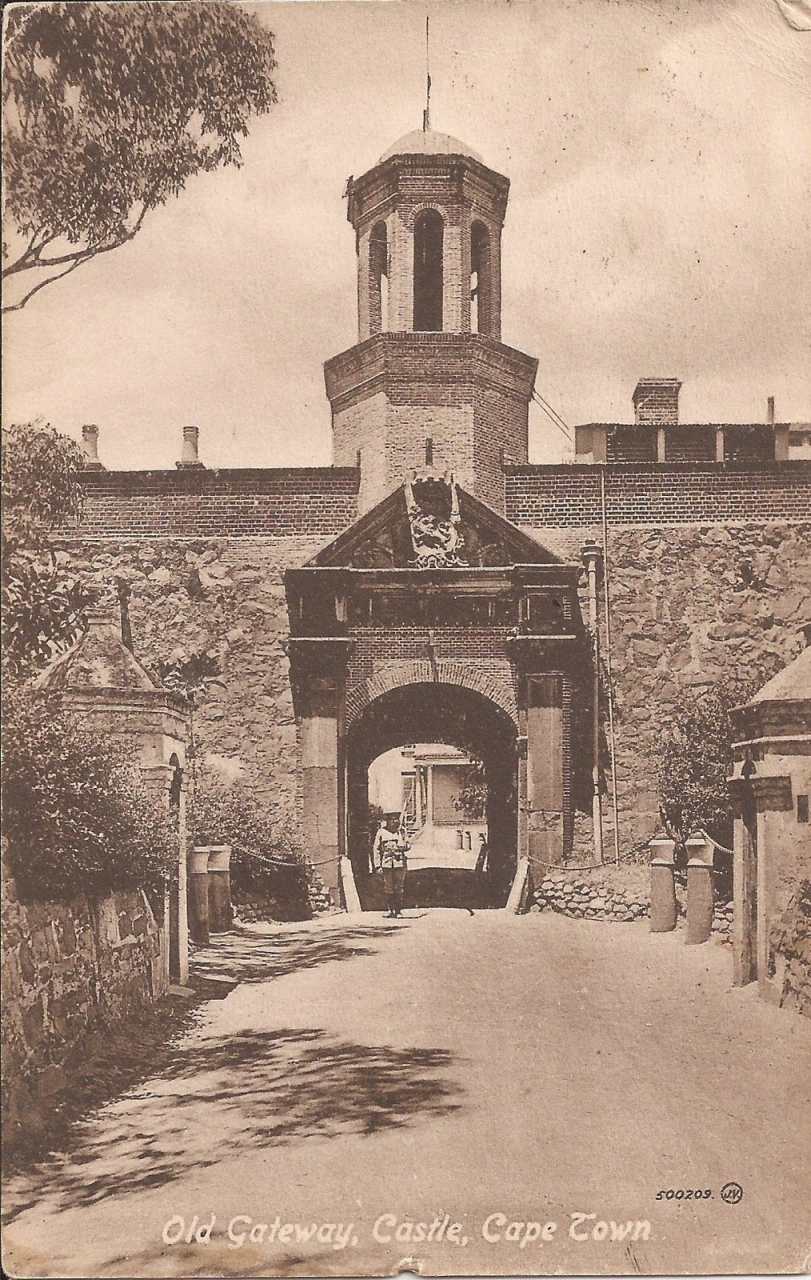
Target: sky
{"x":658,"y":225}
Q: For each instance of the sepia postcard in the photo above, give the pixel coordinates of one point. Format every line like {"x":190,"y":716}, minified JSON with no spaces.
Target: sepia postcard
{"x":406,"y":589}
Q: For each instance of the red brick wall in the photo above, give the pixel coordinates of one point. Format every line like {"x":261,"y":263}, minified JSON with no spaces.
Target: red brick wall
{"x":690,"y":444}
{"x":631,"y":444}
{"x":657,"y":404}
{"x":500,"y":437}
{"x":658,"y":494}
{"x":443,"y":413}
{"x":468,"y":393}
{"x":358,"y":433}
{"x":274,"y":502}
{"x":378,"y":650}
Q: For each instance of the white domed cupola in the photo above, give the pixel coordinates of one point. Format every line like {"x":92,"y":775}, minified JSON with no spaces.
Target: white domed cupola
{"x":428,"y":220}
{"x":429,"y":386}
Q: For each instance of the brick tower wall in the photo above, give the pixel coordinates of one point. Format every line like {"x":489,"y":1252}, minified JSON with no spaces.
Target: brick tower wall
{"x":467,"y":393}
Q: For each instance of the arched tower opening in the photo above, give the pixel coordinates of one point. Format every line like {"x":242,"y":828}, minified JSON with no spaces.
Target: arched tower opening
{"x":429,"y":237}
{"x":429,"y":362}
{"x":378,"y":279}
{"x":481,"y":280}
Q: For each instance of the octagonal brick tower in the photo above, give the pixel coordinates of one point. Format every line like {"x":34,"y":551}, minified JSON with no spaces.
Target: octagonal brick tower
{"x":429,"y":385}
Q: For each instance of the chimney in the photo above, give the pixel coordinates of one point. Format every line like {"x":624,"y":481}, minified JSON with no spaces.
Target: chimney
{"x":90,"y":443}
{"x":656,"y":402}
{"x":781,"y":432}
{"x":189,"y":457}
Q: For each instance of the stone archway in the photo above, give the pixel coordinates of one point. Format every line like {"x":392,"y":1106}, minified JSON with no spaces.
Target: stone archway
{"x":374,"y":620}
{"x":456,"y":715}
{"x":420,"y":671}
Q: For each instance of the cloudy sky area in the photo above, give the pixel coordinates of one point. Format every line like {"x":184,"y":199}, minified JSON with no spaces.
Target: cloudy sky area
{"x":658,"y":225}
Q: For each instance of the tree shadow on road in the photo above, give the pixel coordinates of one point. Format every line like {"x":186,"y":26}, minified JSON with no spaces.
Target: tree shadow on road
{"x":251,"y":957}
{"x":218,"y":1097}
{"x":190,"y":1099}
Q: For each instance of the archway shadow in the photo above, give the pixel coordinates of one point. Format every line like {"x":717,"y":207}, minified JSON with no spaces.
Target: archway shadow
{"x":157,"y":1039}
{"x":432,"y":887}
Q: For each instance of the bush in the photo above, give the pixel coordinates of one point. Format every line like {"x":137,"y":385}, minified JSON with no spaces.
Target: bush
{"x":228,"y":814}
{"x":695,"y":760}
{"x":77,"y":817}
{"x":471,"y":802}
{"x":42,"y":601}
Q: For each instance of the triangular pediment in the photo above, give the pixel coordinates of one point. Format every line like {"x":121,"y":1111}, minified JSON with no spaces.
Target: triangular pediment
{"x":432,"y":524}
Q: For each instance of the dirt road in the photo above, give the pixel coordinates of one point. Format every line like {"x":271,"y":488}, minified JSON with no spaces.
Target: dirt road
{"x":380,"y":1095}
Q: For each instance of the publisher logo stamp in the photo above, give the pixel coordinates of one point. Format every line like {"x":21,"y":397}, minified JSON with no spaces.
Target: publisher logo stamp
{"x":732,"y":1193}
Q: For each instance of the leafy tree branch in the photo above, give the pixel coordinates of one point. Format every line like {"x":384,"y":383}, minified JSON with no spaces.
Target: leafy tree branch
{"x":109,"y":110}
{"x":43,"y":600}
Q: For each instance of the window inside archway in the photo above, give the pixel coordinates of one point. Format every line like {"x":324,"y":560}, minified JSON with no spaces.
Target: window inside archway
{"x":428,"y":271}
{"x":453,"y":781}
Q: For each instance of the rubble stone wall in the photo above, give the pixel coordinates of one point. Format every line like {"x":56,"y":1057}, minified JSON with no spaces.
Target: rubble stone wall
{"x":70,"y":969}
{"x":689,"y":605}
{"x":623,"y":894}
{"x":219,"y":605}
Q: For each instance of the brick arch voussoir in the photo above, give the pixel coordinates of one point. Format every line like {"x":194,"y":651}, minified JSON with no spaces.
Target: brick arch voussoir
{"x":420,"y":671}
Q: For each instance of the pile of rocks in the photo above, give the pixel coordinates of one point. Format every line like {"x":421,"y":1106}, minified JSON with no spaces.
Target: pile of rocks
{"x":587,"y":901}
{"x":722,"y":918}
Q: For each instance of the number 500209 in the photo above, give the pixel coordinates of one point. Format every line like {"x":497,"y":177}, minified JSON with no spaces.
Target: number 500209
{"x":684,"y":1194}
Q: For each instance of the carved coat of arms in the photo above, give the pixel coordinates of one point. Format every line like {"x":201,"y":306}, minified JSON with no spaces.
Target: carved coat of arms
{"x":437,"y":542}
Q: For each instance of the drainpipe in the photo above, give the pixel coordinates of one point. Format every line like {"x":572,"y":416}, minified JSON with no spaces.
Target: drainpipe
{"x":607,"y":602}
{"x":591,"y":556}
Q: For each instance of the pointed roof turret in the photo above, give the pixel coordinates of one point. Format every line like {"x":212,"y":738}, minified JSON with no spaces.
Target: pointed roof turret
{"x":98,"y":660}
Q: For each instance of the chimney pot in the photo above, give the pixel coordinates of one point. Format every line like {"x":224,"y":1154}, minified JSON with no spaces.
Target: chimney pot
{"x":90,"y":443}
{"x":190,"y":455}
{"x":770,"y":411}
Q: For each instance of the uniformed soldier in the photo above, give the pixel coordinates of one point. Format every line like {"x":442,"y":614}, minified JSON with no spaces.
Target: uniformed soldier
{"x":389,"y":853}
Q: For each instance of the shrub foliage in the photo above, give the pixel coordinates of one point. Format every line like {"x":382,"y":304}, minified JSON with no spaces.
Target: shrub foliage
{"x":42,"y":601}
{"x":229,"y":814}
{"x":76,"y":815}
{"x":471,"y":802}
{"x":695,"y":760}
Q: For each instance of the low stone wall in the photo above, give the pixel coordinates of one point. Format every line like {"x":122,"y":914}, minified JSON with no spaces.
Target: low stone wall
{"x":606,"y":894}
{"x":791,"y":943}
{"x":571,"y":894}
{"x":70,"y":969}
